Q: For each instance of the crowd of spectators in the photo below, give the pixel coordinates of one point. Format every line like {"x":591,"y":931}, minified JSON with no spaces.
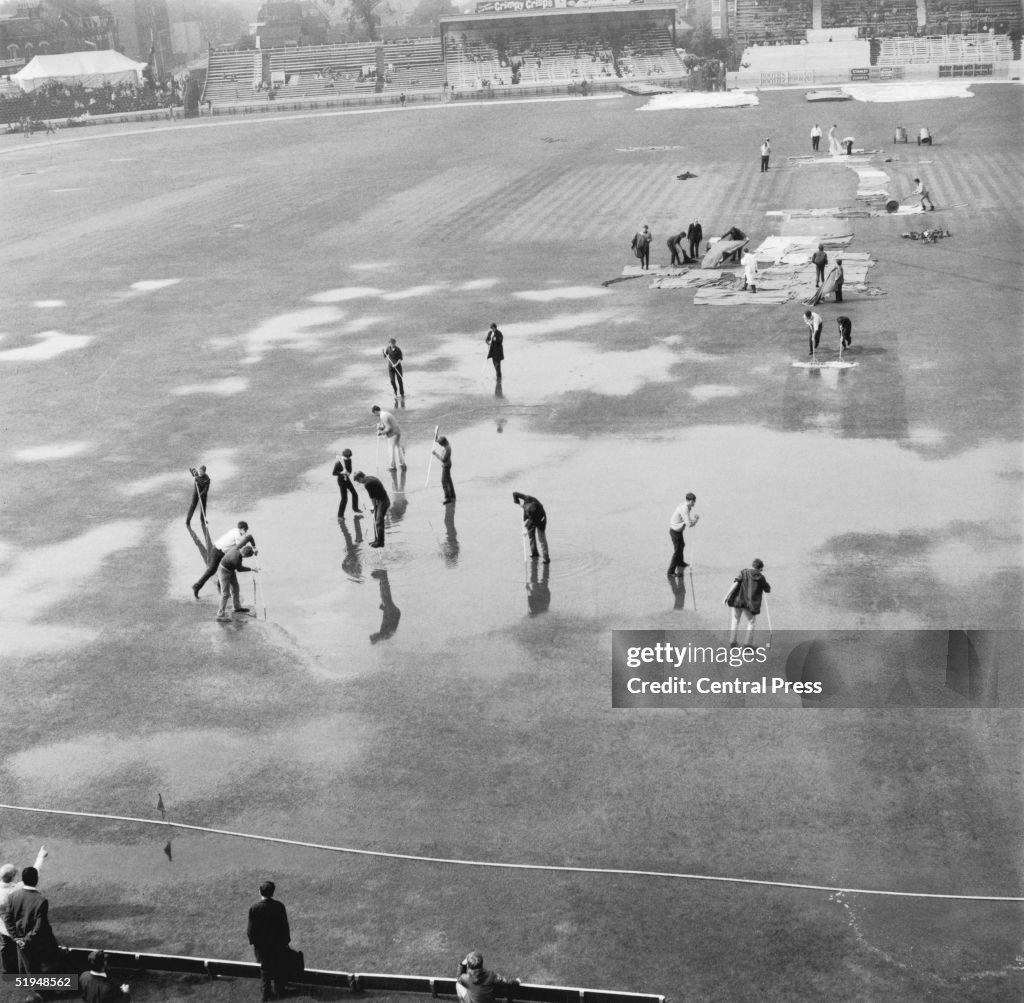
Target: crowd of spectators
{"x":75,"y":103}
{"x":521,"y":55}
{"x":29,"y":947}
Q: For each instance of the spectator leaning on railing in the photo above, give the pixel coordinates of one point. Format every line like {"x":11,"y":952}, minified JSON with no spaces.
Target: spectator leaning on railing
{"x":475,"y":984}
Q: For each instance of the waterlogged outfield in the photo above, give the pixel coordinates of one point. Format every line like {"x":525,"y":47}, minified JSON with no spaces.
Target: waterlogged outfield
{"x":235,"y":283}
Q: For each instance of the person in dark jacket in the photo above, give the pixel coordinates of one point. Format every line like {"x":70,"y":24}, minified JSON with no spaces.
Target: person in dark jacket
{"x":745,"y":597}
{"x":381,"y":504}
{"x":230,"y":564}
{"x":394,"y":356}
{"x":733,"y":233}
{"x":845,"y":332}
{"x":27,"y":919}
{"x":96,"y":986}
{"x":695,"y":234}
{"x":535,"y":524}
{"x":475,"y":984}
{"x":676,"y":249}
{"x":343,"y":471}
{"x":270,"y":936}
{"x":200,"y":489}
{"x":819,"y":259}
{"x":838,"y":276}
{"x":445,"y":456}
{"x":642,"y":246}
{"x":495,"y":352}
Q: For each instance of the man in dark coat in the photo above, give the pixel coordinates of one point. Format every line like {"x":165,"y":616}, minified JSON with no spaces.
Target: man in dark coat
{"x":270,"y":936}
{"x":27,"y":919}
{"x":445,"y":456}
{"x":394,"y":356}
{"x":343,"y":471}
{"x":495,"y":352}
{"x":535,"y":524}
{"x":381,"y":504}
{"x":748,"y":589}
{"x":675,"y":248}
{"x":200,"y":489}
{"x":838,"y":275}
{"x":642,"y":246}
{"x":845,"y":332}
{"x":695,"y":234}
{"x":96,"y":986}
{"x":230,"y":565}
{"x":819,"y":259}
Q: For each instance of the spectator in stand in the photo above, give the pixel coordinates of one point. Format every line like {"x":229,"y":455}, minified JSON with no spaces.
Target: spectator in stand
{"x":269,"y":934}
{"x":95,"y":985}
{"x":26,"y":918}
{"x":8,"y":885}
{"x":475,"y":984}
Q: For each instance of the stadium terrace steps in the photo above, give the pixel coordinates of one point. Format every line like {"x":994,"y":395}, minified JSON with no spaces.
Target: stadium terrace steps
{"x":323,"y":70}
{"x":231,"y":77}
{"x":946,"y":49}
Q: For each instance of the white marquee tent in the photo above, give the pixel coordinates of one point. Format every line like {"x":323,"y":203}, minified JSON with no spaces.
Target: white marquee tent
{"x":90,"y":69}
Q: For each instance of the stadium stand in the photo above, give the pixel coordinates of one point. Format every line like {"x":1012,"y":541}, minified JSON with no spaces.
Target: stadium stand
{"x":945,"y":49}
{"x":416,"y":62}
{"x":523,"y":54}
{"x":875,"y":18}
{"x":324,"y":70}
{"x":311,"y":71}
{"x":946,"y":17}
{"x":784,"y":21}
{"x":649,"y":53}
{"x":233,"y":76}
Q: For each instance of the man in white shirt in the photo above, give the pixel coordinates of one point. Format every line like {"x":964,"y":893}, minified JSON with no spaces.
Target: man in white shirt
{"x":682,"y":518}
{"x":766,"y":152}
{"x":749,"y":263}
{"x":815,"y":137}
{"x":813,"y":322}
{"x":389,"y":428}
{"x":238,"y":537}
{"x":922,"y":193}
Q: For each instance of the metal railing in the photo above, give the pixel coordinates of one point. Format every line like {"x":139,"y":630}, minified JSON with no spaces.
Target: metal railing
{"x":422,"y":985}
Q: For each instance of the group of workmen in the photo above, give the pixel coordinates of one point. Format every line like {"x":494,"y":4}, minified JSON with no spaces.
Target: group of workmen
{"x":225,"y":556}
{"x":692,"y":235}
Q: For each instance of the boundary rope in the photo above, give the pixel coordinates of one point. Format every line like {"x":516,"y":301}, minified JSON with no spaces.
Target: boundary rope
{"x":511,"y":866}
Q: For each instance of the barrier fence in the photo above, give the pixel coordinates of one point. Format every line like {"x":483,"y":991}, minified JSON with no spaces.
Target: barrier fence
{"x":420,"y":985}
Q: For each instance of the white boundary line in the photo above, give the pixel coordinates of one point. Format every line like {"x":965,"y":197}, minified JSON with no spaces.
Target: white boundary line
{"x":520,"y":867}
